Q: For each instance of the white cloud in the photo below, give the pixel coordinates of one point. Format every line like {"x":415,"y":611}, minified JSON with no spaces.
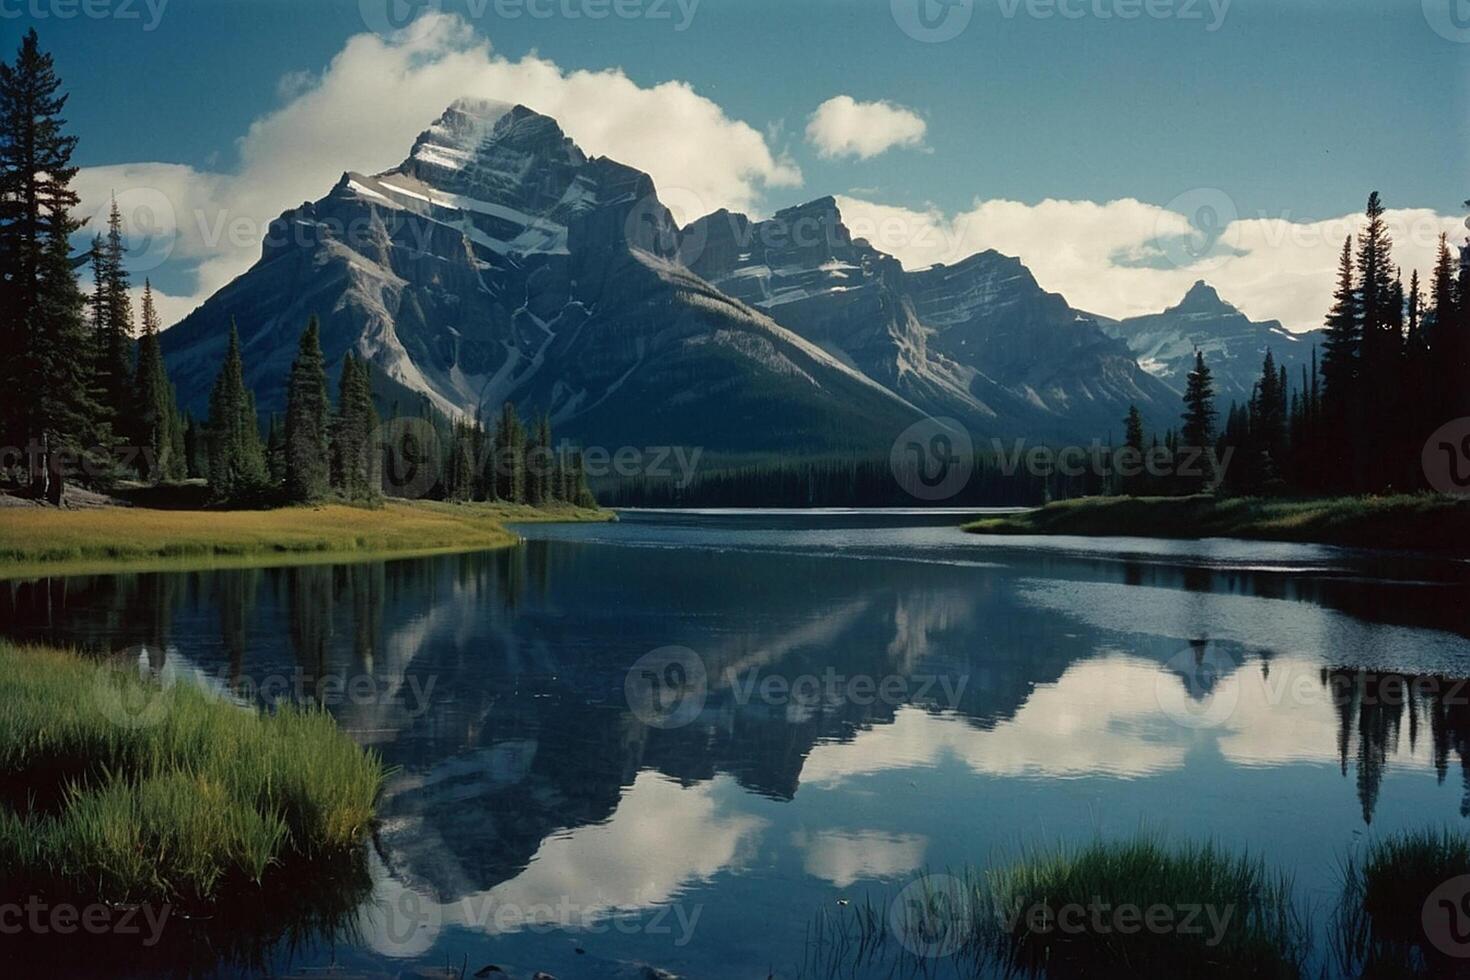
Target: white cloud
{"x":842,"y":126}
{"x":365,"y":109}
{"x":843,"y":857}
{"x":1125,"y":257}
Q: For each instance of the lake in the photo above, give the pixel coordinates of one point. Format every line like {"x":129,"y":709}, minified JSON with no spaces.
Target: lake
{"x":684,"y":740}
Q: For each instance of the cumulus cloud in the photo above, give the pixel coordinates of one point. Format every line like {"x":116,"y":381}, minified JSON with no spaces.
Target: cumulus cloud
{"x":1126,"y":257}
{"x":842,"y":126}
{"x":363,"y":111}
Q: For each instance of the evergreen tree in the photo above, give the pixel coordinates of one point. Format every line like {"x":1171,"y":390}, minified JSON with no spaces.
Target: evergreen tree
{"x":196,"y":449}
{"x":237,"y":469}
{"x":46,"y":402}
{"x":1380,"y":351}
{"x":176,"y":467}
{"x":458,"y":474}
{"x":1198,"y":430}
{"x":153,"y":412}
{"x":1340,"y":377}
{"x":538,"y":464}
{"x":307,"y":463}
{"x":1267,"y":440}
{"x":1133,"y":440}
{"x":113,"y":323}
{"x":354,"y":455}
{"x":510,"y":440}
{"x":1448,"y":342}
{"x":275,"y":450}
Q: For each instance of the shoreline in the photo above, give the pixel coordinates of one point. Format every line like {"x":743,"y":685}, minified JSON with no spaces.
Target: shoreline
{"x":103,"y":540}
{"x":1428,"y":523}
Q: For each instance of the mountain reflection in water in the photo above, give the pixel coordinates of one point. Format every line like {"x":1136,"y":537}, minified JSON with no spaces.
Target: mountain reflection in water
{"x":1032,"y":691}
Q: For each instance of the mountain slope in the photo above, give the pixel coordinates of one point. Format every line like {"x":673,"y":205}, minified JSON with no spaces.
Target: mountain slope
{"x":498,"y":262}
{"x":1233,"y":344}
{"x":979,"y":340}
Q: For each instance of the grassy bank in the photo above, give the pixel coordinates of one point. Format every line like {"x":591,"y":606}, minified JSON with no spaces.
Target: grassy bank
{"x":1419,"y":522}
{"x":121,"y":791}
{"x":43,"y":540}
{"x":1148,"y":909}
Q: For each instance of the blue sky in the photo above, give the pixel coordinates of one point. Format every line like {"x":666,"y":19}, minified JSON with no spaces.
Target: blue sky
{"x":1293,"y":109}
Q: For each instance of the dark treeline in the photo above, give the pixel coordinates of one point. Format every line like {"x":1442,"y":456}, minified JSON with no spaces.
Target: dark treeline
{"x":85,"y":396}
{"x":868,"y":482}
{"x":1395,"y":366}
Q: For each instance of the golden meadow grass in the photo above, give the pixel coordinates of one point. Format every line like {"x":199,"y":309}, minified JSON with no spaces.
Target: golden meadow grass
{"x":119,"y":790}
{"x":42,"y":540}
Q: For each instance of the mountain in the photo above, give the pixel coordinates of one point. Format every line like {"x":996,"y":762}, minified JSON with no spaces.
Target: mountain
{"x":979,"y":340}
{"x":499,"y":261}
{"x":1234,"y":345}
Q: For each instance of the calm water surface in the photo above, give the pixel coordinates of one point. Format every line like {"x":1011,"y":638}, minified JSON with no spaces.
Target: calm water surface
{"x":849,"y":698}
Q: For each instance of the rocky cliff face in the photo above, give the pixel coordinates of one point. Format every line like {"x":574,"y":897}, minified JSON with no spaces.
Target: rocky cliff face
{"x":498,"y":262}
{"x":1233,"y":344}
{"x":979,"y":340}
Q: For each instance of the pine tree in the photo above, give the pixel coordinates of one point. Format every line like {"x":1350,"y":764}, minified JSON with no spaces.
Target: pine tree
{"x":1133,"y":440}
{"x":1446,"y":336}
{"x":510,"y":440}
{"x":538,"y":465}
{"x":153,"y":411}
{"x":1341,"y":352}
{"x":354,"y":454}
{"x":237,"y":470}
{"x":306,"y":421}
{"x":1267,"y":440}
{"x":1198,"y":431}
{"x":196,"y":449}
{"x":578,"y":493}
{"x":46,"y":388}
{"x":458,"y":475}
{"x":1380,"y":350}
{"x":275,"y":450}
{"x":177,"y":466}
{"x":115,"y":325}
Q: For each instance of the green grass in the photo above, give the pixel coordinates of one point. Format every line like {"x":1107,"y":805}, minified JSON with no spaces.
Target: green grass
{"x":36,"y":540}
{"x":1419,"y":522}
{"x":1213,"y":914}
{"x":122,"y":791}
{"x":1379,"y":924}
{"x":1227,"y":914}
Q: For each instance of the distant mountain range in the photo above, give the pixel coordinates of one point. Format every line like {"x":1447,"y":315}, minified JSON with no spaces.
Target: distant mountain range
{"x":498,"y":262}
{"x":1234,"y":345}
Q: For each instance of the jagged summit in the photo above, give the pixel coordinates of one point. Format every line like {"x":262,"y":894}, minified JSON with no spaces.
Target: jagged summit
{"x":499,"y":261}
{"x":1233,"y":344}
{"x":1202,"y":297}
